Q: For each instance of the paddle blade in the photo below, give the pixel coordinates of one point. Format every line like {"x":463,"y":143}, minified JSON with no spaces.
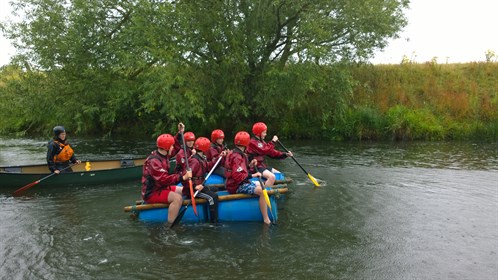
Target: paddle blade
{"x":21,"y":191}
{"x":192,"y":197}
{"x":267,"y":198}
{"x":313,"y":180}
{"x":179,"y":217}
{"x":88,"y":166}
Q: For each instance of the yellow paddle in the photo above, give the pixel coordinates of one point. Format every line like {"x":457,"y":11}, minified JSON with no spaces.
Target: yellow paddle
{"x":267,"y":199}
{"x":309,"y":175}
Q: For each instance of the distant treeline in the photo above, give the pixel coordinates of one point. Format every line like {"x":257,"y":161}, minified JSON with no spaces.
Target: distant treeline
{"x":409,"y":101}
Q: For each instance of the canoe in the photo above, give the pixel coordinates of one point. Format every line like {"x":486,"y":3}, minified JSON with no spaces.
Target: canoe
{"x":232,"y":207}
{"x":101,"y":172}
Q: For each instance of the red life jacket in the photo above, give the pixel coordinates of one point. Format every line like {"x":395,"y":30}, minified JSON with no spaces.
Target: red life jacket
{"x":199,"y":173}
{"x":235,"y":177}
{"x":156,"y":179}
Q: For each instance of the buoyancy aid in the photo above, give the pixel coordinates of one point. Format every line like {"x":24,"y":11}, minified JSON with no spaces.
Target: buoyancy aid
{"x":65,"y":154}
{"x":149,"y":185}
{"x":157,"y":178}
{"x":198,"y":177}
{"x":229,"y":159}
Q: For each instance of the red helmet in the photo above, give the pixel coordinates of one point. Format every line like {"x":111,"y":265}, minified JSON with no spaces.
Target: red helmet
{"x":217,"y":133}
{"x":202,"y":144}
{"x":165,"y":141}
{"x":189,"y":136}
{"x":258,"y":128}
{"x":242,"y":138}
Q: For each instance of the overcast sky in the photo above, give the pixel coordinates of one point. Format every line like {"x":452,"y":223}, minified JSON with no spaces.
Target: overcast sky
{"x":451,"y":30}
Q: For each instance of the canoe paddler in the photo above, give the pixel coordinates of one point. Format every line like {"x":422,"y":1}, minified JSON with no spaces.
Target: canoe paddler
{"x":60,"y":155}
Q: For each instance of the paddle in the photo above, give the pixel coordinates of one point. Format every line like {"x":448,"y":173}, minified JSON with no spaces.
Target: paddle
{"x":267,"y":198}
{"x":309,"y":175}
{"x":21,"y":191}
{"x":184,"y":209}
{"x":192,"y":197}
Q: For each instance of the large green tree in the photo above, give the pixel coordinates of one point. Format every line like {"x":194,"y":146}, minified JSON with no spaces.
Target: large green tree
{"x":116,"y":63}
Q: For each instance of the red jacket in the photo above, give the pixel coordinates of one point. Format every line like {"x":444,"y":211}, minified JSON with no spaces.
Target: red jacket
{"x":258,"y":149}
{"x":236,"y":170}
{"x":181,"y":165}
{"x":200,"y":167}
{"x":214,"y":153}
{"x":177,"y":146}
{"x":155,"y":174}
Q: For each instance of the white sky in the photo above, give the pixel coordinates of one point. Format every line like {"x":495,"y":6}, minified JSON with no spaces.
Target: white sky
{"x":451,"y":30}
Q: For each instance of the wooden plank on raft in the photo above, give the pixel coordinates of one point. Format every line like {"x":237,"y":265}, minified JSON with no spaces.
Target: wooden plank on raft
{"x":228,"y":197}
{"x":138,"y":202}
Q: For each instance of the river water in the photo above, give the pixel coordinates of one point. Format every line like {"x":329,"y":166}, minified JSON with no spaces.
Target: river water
{"x":384,"y":211}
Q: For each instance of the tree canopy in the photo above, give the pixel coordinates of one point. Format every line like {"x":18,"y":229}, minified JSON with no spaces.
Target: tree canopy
{"x":112,"y":65}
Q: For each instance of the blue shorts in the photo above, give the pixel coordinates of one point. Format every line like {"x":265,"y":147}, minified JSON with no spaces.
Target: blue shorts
{"x":247,"y":188}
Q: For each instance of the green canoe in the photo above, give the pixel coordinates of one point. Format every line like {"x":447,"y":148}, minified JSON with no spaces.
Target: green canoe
{"x":100,"y":172}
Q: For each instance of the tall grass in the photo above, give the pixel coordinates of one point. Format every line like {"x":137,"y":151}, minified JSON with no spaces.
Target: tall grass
{"x":430,"y":101}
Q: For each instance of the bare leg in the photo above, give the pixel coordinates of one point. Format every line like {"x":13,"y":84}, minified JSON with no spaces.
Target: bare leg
{"x":262,"y":204}
{"x":175,"y":202}
{"x":270,"y":178}
{"x":178,"y":190}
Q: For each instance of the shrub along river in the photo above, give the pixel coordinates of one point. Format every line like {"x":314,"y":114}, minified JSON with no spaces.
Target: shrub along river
{"x":384,"y":211}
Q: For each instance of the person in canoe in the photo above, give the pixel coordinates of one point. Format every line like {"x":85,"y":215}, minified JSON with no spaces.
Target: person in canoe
{"x":258,"y":149}
{"x":200,"y":167}
{"x":215,"y":149}
{"x":60,"y":155}
{"x":158,"y":185}
{"x":237,"y":173}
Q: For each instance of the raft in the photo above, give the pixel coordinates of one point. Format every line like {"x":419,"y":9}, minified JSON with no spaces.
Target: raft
{"x":232,"y":207}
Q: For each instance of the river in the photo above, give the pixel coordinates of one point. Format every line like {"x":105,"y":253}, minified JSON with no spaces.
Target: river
{"x":417,"y":210}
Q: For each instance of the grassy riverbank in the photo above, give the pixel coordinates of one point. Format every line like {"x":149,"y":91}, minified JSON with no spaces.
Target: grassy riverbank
{"x":424,"y":101}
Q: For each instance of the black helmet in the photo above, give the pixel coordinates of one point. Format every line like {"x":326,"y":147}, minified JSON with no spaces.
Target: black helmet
{"x":58,"y":130}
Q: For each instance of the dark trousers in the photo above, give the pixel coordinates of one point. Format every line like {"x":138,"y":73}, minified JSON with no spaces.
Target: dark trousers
{"x":212,"y":198}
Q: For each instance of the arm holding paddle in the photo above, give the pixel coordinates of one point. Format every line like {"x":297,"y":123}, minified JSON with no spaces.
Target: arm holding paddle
{"x":198,"y":189}
{"x":302,"y":168}
{"x":287,"y":152}
{"x":60,"y":153}
{"x":60,"y":158}
{"x":259,"y":149}
{"x":192,"y":197}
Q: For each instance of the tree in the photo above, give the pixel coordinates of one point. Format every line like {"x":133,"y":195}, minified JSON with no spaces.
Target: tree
{"x":208,"y":62}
